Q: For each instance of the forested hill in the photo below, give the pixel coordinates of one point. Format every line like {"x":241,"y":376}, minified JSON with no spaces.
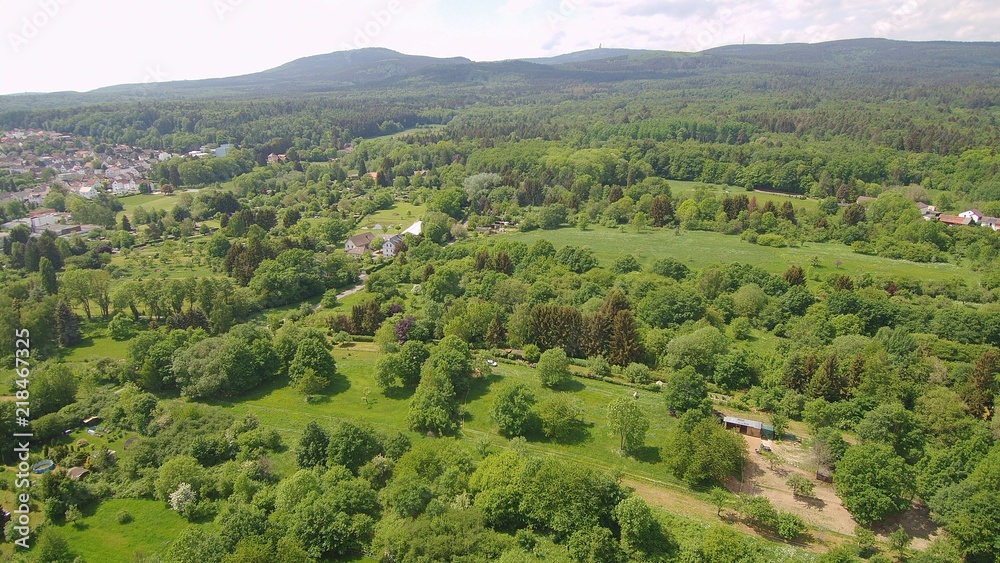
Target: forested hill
{"x":891,"y":63}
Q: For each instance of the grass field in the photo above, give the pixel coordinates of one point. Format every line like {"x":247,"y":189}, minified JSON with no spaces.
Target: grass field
{"x":149,"y":202}
{"x":99,"y":537}
{"x":173,"y":259}
{"x":684,"y":188}
{"x":356,"y":397}
{"x":398,"y":217}
{"x":698,"y":249}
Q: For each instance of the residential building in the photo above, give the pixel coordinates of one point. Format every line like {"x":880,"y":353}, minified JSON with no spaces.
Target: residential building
{"x":973,"y":214}
{"x":359,"y":244}
{"x":391,"y":245}
{"x":953,"y":220}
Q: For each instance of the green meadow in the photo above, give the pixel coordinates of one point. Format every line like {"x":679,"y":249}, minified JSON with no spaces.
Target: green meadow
{"x":698,"y":249}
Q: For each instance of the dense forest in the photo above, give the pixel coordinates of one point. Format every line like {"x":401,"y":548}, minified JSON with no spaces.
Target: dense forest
{"x":613,"y":255}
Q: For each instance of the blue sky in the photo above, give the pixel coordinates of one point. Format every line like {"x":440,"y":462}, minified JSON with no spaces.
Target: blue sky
{"x":52,"y":45}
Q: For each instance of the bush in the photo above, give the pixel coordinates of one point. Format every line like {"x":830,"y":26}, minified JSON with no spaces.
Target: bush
{"x":739,"y":329}
{"x":329,"y":299}
{"x":599,"y":366}
{"x":770,"y":239}
{"x":123,"y":517}
{"x":532,"y":353}
{"x":801,"y":485}
{"x":637,"y":373}
{"x":553,"y":367}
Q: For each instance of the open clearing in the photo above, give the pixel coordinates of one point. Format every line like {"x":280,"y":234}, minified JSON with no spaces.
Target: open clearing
{"x":698,"y":249}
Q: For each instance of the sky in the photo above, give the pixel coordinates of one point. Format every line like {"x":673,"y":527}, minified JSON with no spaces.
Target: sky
{"x":56,"y":45}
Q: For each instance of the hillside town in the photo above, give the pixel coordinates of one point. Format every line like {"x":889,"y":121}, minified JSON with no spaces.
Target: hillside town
{"x":37,"y":163}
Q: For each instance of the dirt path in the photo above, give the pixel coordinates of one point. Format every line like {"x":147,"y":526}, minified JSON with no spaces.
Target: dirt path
{"x":825,"y":512}
{"x":362,"y":278}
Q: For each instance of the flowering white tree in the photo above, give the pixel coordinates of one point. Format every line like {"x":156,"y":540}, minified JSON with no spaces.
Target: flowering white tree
{"x":182,"y":500}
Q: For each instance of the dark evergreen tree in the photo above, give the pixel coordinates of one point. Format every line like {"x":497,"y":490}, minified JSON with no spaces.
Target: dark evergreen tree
{"x":67,"y":325}
{"x":48,"y":272}
{"x":623,"y":346}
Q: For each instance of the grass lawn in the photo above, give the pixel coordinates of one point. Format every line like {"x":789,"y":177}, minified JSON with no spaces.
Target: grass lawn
{"x":397,"y":218}
{"x":150,"y":202}
{"x":99,"y":537}
{"x":356,"y":397}
{"x":684,"y":188}
{"x":95,"y":347}
{"x":179,"y":260}
{"x":698,"y":249}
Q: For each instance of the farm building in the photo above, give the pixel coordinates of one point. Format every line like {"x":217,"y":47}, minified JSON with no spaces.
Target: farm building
{"x":749,"y":427}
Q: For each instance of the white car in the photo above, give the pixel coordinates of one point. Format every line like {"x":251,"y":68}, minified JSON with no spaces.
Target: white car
{"x":492,"y":363}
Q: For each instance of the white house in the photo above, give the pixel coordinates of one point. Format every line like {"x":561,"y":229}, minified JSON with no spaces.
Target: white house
{"x":359,"y":244}
{"x":974,"y":214}
{"x":88,"y":192}
{"x":124,"y":186}
{"x":991,"y":222}
{"x":391,"y":245}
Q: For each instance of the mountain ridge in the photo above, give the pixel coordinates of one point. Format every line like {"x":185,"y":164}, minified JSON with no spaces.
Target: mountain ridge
{"x":378,"y":68}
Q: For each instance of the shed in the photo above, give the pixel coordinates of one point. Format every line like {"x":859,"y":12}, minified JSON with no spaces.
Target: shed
{"x":77,"y":473}
{"x":92,"y":421}
{"x":749,"y":427}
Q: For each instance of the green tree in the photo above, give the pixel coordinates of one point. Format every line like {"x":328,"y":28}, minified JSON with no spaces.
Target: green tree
{"x":52,"y":547}
{"x":48,"y":274}
{"x":627,"y":421}
{"x":512,"y":410}
{"x":433,"y":406}
{"x":625,"y":264}
{"x":899,"y":540}
{"x":896,"y":426}
{"x":719,"y":498}
{"x":623,"y":344}
{"x":641,"y":532}
{"x":595,"y":545}
{"x":352,"y":445}
{"x":560,"y":418}
{"x":181,"y":469}
{"x":800,"y":485}
{"x":553,"y":368}
{"x":313,"y":446}
{"x":874,"y":482}
{"x":699,"y":349}
{"x":700,"y":450}
{"x":312,"y":354}
{"x":76,"y":287}
{"x":121,"y":327}
{"x":980,"y":391}
{"x":67,"y":326}
{"x":52,"y":387}
{"x":637,"y":373}
{"x":685,"y":389}
{"x":310,"y":383}
{"x":196,"y":545}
